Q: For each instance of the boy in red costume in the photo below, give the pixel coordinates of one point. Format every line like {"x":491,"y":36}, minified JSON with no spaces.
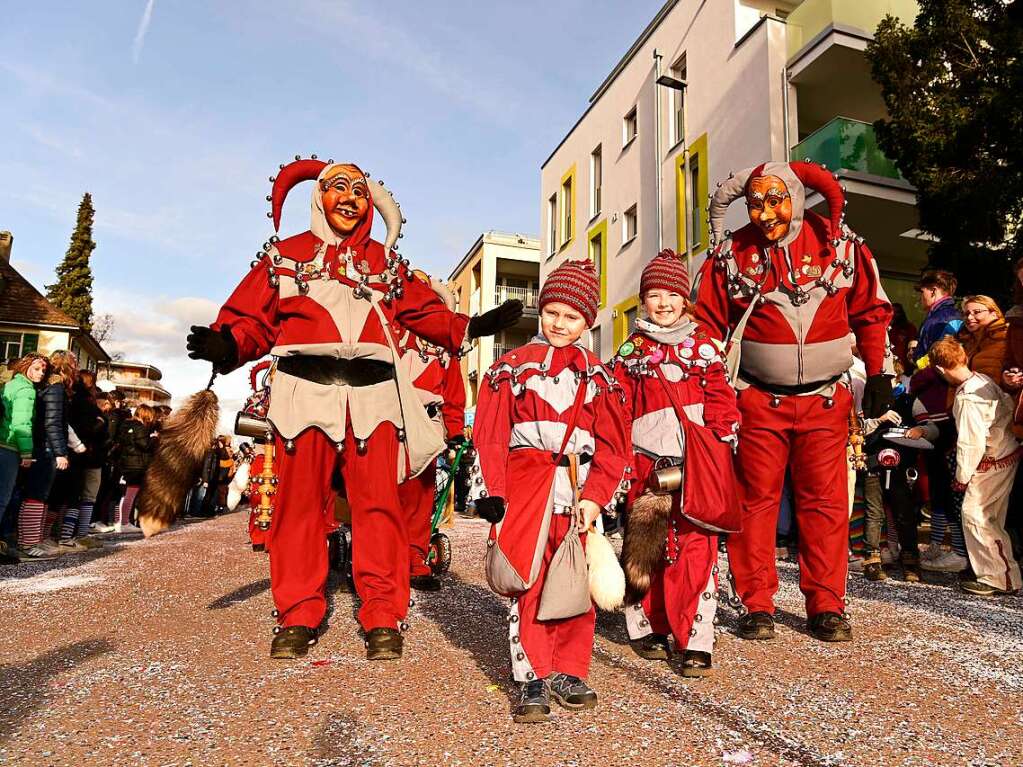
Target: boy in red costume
{"x":680,"y":407}
{"x":329,"y":303}
{"x":551,"y":452}
{"x":793,"y":284}
{"x":437,"y":378}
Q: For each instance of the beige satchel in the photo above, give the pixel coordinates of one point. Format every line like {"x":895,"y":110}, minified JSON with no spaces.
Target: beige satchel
{"x":566,"y":588}
{"x":733,"y":347}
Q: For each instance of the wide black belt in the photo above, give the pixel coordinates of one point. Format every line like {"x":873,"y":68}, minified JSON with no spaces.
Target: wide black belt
{"x":786,"y":390}
{"x":340,"y":372}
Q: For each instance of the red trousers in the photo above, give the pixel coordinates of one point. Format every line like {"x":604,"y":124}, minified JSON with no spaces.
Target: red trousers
{"x":256,"y":535}
{"x":417,"y":497}
{"x":809,"y":437}
{"x":678,"y":589}
{"x":539,"y":647}
{"x":298,"y":534}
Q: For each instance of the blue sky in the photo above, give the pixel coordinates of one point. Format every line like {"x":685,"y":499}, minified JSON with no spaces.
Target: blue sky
{"x":173,"y":114}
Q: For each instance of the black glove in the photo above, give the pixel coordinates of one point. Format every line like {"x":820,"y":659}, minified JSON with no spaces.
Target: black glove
{"x":490,"y":508}
{"x":496,"y":320}
{"x":877,"y":395}
{"x":216,"y":346}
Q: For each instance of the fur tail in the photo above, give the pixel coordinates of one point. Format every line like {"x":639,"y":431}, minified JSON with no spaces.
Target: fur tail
{"x":607,"y":581}
{"x":643,"y":548}
{"x":186,"y":437}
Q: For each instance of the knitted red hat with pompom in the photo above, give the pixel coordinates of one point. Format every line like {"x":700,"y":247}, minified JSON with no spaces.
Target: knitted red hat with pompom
{"x":666,"y":271}
{"x":574,"y":283}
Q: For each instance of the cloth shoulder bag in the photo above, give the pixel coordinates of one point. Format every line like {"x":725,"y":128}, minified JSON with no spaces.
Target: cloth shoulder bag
{"x":566,"y":587}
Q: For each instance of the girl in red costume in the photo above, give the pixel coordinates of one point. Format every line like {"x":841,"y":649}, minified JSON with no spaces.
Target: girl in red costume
{"x":682,"y":413}
{"x":551,"y":453}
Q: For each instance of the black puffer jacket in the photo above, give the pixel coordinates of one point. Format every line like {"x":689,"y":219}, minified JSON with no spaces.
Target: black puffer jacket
{"x":89,"y":424}
{"x":49,"y":427}
{"x":134,"y":449}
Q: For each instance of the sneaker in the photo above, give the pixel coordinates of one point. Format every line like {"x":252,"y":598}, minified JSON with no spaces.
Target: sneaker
{"x":652,"y":647}
{"x":89,"y":542}
{"x":100,"y":527}
{"x":534,"y":703}
{"x":947,"y":562}
{"x":71,"y":546}
{"x":128,"y":527}
{"x":933,"y":551}
{"x":115,"y":528}
{"x":571,"y":692}
{"x":980,"y":589}
{"x":35,"y":553}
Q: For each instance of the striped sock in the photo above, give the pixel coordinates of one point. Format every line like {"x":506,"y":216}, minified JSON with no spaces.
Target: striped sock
{"x":958,"y":542}
{"x":30,"y":522}
{"x":53,"y":513}
{"x":939,"y":522}
{"x":85,"y":517}
{"x":69,"y":525}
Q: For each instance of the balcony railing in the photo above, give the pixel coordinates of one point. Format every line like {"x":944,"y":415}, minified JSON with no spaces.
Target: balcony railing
{"x":526,"y":295}
{"x":848,"y":144}
{"x":500,"y":351}
{"x":812,"y":17}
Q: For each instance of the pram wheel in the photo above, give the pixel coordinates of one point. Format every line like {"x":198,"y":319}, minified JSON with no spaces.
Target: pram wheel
{"x":440,"y":553}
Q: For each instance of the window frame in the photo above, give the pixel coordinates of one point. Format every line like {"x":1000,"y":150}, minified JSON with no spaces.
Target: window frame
{"x":631,"y":118}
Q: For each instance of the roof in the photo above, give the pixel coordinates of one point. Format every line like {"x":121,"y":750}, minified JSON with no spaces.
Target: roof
{"x":22,"y":304}
{"x":119,"y":364}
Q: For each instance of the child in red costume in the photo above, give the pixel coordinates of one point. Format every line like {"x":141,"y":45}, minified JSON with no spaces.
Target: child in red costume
{"x":677,"y":387}
{"x":551,"y":453}
{"x":437,"y":378}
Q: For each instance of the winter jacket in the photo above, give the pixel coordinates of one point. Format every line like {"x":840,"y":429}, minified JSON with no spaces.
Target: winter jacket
{"x":91,"y":426}
{"x":986,"y":349}
{"x":49,"y":430}
{"x":19,"y":398}
{"x":942,"y":320}
{"x":134,"y":448}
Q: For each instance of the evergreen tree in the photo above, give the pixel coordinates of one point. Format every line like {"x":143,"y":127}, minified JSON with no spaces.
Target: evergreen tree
{"x":72,"y":292}
{"x":952,"y":85}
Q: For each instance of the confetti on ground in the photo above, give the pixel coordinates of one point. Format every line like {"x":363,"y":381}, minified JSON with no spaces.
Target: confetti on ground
{"x":157,"y":653}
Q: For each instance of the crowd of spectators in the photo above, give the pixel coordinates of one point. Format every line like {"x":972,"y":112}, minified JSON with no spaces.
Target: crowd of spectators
{"x":72,"y":459}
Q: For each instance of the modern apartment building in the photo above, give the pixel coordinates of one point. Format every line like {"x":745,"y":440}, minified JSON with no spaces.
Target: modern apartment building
{"x":763,"y":81}
{"x":497,"y":267}
{"x":139,"y":381}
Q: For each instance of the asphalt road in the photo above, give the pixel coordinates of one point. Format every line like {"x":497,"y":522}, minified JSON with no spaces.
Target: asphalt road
{"x":156,"y":653}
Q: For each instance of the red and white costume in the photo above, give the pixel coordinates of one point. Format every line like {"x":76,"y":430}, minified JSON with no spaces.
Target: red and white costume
{"x":682,"y":598}
{"x":812,"y":287}
{"x":323,"y":296}
{"x":521,"y":421}
{"x":437,"y":378}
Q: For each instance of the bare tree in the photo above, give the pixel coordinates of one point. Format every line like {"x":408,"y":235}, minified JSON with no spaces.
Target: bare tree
{"x":103,"y":328}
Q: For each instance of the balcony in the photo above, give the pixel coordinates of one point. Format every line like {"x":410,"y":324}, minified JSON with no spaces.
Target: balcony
{"x":847,"y":144}
{"x":527,"y":296}
{"x":855,"y":17}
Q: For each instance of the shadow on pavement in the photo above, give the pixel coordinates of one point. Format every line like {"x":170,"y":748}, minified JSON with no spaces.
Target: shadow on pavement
{"x":29,"y":686}
{"x":338,"y":743}
{"x":240,"y":594}
{"x":473,"y":619}
{"x":64,"y":562}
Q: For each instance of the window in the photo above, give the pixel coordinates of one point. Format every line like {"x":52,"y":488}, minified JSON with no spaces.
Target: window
{"x":630,"y":127}
{"x":694,"y":185}
{"x":596,"y":249}
{"x":14,"y":345}
{"x":552,"y":225}
{"x":595,"y":339}
{"x":629,"y":225}
{"x":566,"y":210}
{"x":597,"y":238}
{"x":678,"y":71}
{"x":596,"y":179}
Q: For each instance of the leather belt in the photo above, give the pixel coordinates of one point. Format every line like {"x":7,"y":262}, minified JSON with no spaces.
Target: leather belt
{"x":785,"y":390}
{"x":339,"y":372}
{"x":565,"y":462}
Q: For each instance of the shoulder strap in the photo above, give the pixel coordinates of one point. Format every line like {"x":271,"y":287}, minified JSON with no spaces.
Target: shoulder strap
{"x":672,"y":396}
{"x":573,"y":418}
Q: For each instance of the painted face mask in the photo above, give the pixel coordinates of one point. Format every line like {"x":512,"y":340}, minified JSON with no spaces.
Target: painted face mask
{"x":770,"y":206}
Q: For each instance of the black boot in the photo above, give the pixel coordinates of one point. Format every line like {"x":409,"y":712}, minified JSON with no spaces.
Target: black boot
{"x":830,"y":627}
{"x":696,"y":663}
{"x":652,"y":647}
{"x":534,"y":703}
{"x":571,"y":692}
{"x":425,"y":582}
{"x":758,"y":625}
{"x":292,"y":642}
{"x":383,"y":644}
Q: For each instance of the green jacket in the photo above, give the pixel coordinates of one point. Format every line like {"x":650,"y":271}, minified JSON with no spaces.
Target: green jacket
{"x":19,"y":398}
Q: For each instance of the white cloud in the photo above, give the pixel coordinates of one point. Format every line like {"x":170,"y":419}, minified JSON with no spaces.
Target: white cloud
{"x":140,"y":35}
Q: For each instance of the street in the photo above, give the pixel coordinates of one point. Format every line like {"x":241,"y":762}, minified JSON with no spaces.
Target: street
{"x":156,"y":653}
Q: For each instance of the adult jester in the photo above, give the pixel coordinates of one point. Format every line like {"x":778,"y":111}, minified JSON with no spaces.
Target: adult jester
{"x":329,"y":304}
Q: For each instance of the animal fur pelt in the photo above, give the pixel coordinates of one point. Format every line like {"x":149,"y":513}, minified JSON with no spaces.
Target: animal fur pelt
{"x":643,"y":548}
{"x":238,"y":484}
{"x":185,"y":439}
{"x":607,"y":581}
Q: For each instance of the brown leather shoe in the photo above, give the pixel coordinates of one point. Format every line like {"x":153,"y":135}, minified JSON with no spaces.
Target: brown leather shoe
{"x":292,"y":642}
{"x":756,"y":625}
{"x":383,"y":644}
{"x":830,"y":627}
{"x":696,"y":663}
